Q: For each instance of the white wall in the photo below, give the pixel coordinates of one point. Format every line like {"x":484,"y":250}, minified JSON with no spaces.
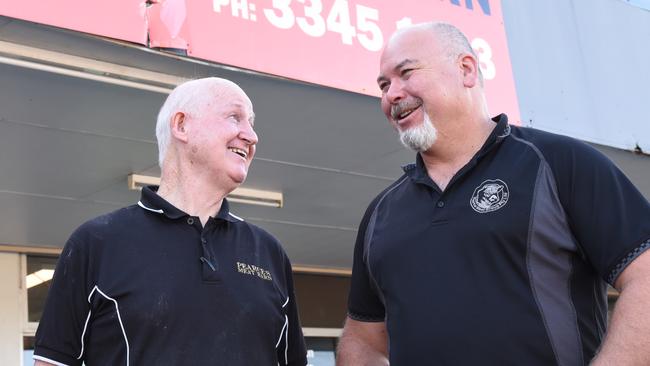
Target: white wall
{"x":11,"y":315}
{"x":581,"y":68}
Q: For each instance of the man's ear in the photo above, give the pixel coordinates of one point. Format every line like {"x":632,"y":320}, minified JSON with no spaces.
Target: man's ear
{"x":178,"y":126}
{"x":469,"y":65}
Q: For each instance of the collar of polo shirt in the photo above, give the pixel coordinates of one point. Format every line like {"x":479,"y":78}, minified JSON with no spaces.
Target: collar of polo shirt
{"x":418,"y":172}
{"x":151,"y":201}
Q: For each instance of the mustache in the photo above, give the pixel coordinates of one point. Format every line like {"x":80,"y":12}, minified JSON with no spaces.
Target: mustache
{"x":404,"y":105}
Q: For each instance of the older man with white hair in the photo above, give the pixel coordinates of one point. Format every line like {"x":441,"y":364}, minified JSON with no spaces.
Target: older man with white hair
{"x":178,"y":279}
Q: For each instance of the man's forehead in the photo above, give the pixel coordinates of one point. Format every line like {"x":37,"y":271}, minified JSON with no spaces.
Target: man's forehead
{"x":234,"y":97}
{"x":401,"y":46}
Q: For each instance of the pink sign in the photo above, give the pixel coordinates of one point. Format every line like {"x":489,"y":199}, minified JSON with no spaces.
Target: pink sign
{"x":336,"y":43}
{"x":120,"y":19}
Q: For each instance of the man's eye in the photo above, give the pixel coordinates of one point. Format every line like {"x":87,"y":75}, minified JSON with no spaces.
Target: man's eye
{"x":384,"y":86}
{"x":405,"y":72}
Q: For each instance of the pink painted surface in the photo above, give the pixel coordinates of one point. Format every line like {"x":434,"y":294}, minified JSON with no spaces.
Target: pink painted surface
{"x":241,"y":33}
{"x":279,"y":37}
{"x":168,"y":24}
{"x":120,"y":19}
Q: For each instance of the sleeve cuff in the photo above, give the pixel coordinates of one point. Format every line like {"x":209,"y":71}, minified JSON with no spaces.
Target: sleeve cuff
{"x":56,"y":358}
{"x":623,"y":263}
{"x":366,"y":318}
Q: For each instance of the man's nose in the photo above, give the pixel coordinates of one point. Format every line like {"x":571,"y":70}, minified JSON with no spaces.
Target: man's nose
{"x":248,"y":134}
{"x":395,"y":92}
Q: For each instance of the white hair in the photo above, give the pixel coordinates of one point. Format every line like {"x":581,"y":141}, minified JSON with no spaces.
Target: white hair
{"x":419,"y":138}
{"x":190,"y":98}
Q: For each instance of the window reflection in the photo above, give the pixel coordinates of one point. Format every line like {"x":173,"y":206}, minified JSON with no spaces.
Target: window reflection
{"x":320,"y":351}
{"x":40,"y":270}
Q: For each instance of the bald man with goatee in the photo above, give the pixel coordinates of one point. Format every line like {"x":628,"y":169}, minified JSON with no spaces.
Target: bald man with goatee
{"x":497,"y":245}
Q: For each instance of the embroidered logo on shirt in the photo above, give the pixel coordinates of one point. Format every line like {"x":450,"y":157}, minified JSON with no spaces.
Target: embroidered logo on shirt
{"x":490,"y":196}
{"x":252,"y":270}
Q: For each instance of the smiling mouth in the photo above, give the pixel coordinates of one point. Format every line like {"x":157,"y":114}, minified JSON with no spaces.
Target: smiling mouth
{"x":239,"y":152}
{"x":401,"y":111}
{"x":404,"y":114}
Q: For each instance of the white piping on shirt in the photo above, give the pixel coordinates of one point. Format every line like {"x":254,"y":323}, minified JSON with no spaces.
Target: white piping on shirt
{"x":83,"y":334}
{"x":149,"y":209}
{"x":45,"y":359}
{"x":286,"y":342}
{"x":285,"y":330}
{"x":119,"y":318}
{"x":286,"y":322}
{"x":235,"y":216}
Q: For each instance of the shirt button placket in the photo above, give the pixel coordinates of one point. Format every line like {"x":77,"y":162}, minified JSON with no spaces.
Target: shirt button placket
{"x":207,"y":258}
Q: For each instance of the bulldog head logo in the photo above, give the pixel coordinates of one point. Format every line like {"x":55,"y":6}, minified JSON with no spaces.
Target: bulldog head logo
{"x":490,"y":196}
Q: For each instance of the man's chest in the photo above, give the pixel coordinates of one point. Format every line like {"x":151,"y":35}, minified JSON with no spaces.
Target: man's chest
{"x":172,"y":288}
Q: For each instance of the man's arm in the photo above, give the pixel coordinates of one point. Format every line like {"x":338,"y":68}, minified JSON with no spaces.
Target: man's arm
{"x":628,"y":338}
{"x":42,"y":363}
{"x":363,"y":344}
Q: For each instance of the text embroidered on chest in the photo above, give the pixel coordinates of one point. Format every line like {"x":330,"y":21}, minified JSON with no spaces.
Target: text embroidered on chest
{"x":252,"y":270}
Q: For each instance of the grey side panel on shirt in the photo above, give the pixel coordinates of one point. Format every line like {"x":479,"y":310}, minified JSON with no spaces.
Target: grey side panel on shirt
{"x":551,"y":247}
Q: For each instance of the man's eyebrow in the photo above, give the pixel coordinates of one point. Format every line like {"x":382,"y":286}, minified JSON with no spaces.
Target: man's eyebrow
{"x":397,"y":67}
{"x":404,"y":63}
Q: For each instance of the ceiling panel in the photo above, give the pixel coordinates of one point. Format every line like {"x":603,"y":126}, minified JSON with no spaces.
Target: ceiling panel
{"x":52,"y":162}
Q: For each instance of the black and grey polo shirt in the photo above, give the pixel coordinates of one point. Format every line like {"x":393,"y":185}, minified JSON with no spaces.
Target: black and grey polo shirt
{"x":148,"y":285}
{"x":509,"y":264}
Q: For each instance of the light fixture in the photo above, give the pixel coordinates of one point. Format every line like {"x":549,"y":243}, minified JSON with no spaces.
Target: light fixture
{"x":240,"y":195}
{"x":38,"y":277}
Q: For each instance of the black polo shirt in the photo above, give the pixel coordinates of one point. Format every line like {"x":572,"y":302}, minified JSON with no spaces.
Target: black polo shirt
{"x":507,"y":266}
{"x":148,"y":285}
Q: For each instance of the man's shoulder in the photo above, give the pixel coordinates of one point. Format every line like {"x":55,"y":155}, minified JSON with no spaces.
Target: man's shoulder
{"x":257,"y":231}
{"x":570,"y":160}
{"x":260,"y":234}
{"x":107,"y":224}
{"x":391,"y":189}
{"x":556,"y":149}
{"x":544,"y":139}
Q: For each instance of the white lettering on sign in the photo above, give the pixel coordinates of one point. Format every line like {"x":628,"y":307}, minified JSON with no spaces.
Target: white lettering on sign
{"x":484,"y":53}
{"x":315,"y":20}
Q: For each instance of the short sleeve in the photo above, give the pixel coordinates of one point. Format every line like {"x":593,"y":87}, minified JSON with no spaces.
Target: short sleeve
{"x":607,"y":214}
{"x":61,"y":328}
{"x":364,"y":300}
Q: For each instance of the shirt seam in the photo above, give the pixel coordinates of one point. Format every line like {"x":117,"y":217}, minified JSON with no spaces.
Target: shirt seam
{"x":367,"y":240}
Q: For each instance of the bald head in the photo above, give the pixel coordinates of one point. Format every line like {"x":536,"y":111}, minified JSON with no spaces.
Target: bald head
{"x":191,"y":98}
{"x":448,"y":38}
